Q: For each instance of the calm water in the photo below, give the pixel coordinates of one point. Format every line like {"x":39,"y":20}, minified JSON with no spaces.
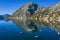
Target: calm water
{"x":11,"y":31}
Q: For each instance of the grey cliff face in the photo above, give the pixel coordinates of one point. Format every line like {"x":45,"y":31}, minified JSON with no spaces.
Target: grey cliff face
{"x":55,"y":8}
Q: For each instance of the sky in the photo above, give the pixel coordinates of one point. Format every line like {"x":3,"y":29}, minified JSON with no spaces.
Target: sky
{"x":10,"y":6}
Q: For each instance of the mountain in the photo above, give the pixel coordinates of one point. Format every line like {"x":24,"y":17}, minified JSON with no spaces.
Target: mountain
{"x":3,"y":17}
{"x":29,"y":9}
{"x":55,"y":8}
{"x":6,"y":15}
{"x":32,"y":17}
{"x":21,"y":16}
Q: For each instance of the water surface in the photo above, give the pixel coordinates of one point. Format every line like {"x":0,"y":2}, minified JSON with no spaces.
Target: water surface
{"x":11,"y":31}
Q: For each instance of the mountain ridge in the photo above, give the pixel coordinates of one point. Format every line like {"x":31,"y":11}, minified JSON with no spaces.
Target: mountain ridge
{"x":33,"y":13}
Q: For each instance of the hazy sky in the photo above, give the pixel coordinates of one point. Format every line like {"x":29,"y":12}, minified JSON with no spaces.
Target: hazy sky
{"x":10,"y":6}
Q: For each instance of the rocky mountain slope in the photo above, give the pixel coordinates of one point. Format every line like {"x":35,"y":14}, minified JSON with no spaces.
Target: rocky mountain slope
{"x":32,"y":17}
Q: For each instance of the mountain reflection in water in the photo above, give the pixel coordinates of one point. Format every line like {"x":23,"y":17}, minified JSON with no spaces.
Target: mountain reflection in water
{"x":10,"y":31}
